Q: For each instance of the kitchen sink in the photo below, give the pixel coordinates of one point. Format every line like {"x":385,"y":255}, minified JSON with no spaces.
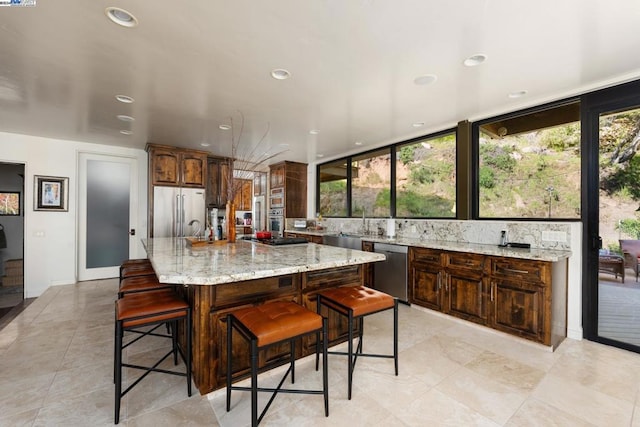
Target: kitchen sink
{"x":348,"y":241}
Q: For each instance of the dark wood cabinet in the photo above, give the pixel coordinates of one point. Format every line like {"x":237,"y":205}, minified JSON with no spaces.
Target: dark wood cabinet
{"x":311,"y":238}
{"x":244,"y":192}
{"x":508,"y":294}
{"x":259,"y":184}
{"x":464,"y":286}
{"x":368,"y":268}
{"x":292,"y":178}
{"x":171,"y":166}
{"x":425,"y":278}
{"x":520,"y":297}
{"x":217,"y":171}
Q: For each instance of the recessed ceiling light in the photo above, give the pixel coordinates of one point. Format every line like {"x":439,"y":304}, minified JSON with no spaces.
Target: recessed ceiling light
{"x":126,"y":132}
{"x":425,"y":80}
{"x":474,"y":60}
{"x":224,"y":127}
{"x":518,"y":94}
{"x":358,"y":143}
{"x":124,"y":98}
{"x":125,"y":118}
{"x":280,"y":74}
{"x":319,"y":155}
{"x":121,"y":16}
{"x":283,"y":145}
{"x":204,"y":144}
{"x":314,"y":131}
{"x":418,"y":124}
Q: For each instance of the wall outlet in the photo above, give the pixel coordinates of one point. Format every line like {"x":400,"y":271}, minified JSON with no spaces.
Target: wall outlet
{"x":38,"y":233}
{"x":413,"y":229}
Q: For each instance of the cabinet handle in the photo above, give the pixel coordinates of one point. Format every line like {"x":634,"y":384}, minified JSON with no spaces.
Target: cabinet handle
{"x":446,"y":283}
{"x":492,"y":286}
{"x":513,"y":270}
{"x":439,"y":281}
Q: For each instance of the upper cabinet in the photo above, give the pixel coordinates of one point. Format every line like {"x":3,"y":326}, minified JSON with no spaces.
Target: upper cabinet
{"x":176,"y":166}
{"x":259,"y":184}
{"x":217,"y":171}
{"x":243,"y":194}
{"x":291,"y":177}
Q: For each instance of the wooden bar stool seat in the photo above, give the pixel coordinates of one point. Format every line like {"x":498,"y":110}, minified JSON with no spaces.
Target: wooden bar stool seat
{"x":355,"y":303}
{"x":135,"y":284}
{"x":266,"y":325}
{"x":137,"y":310}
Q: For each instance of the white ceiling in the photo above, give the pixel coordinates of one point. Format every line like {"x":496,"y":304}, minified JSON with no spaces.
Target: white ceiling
{"x":193,"y":65}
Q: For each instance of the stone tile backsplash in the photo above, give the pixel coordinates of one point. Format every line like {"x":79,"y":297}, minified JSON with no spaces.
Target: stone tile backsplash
{"x":543,"y":235}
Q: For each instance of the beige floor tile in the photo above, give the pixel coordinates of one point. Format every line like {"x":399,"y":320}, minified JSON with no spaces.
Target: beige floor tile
{"x":534,"y":413}
{"x":92,"y":409}
{"x":23,"y":394}
{"x":23,"y":419}
{"x":506,"y":371}
{"x":435,"y":408}
{"x":490,"y":398}
{"x":585,"y":403}
{"x":192,"y":412}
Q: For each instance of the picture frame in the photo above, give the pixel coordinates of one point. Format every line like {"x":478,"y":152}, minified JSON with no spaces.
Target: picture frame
{"x":51,"y":193}
{"x":9,"y":203}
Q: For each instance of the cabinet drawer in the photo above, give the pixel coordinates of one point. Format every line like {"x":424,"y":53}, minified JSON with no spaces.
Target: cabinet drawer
{"x":464,"y":261}
{"x":528,"y":270}
{"x":425,"y":255}
{"x":342,"y":276}
{"x":255,"y":290}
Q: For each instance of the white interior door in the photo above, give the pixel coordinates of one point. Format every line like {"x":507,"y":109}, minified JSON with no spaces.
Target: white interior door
{"x":107,"y":213}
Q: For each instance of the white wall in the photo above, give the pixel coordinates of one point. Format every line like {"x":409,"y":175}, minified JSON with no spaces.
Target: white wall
{"x":50,"y":249}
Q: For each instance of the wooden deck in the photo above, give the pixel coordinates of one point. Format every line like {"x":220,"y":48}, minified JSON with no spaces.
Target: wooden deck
{"x":619,"y":309}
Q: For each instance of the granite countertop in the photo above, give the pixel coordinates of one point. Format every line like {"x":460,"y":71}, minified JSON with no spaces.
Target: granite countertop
{"x":551,"y":255}
{"x":176,"y":262}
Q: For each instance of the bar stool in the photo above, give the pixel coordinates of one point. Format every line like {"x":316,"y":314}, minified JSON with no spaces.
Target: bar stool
{"x":150,"y":309}
{"x":135,"y":284}
{"x":135,"y":267}
{"x":355,"y":303}
{"x":266,"y":325}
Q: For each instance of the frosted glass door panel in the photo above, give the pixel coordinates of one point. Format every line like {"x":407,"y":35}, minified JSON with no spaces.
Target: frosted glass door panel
{"x":108,"y":198}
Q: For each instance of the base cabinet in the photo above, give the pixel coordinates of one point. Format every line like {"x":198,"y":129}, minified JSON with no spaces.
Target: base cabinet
{"x":522,"y":297}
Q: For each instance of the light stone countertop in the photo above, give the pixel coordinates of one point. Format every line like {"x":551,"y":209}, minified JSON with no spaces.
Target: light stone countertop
{"x":551,"y":255}
{"x":176,"y":262}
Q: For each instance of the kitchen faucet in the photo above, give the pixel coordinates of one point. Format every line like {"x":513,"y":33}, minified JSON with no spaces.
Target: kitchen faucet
{"x":198,"y":228}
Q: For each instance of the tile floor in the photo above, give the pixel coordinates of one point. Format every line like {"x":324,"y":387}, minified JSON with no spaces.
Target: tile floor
{"x":56,"y":369}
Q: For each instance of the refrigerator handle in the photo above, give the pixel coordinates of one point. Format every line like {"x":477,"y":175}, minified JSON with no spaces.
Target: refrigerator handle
{"x":182,"y":218}
{"x":176,"y":226}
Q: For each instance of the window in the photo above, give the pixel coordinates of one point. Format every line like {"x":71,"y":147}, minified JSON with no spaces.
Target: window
{"x":371,"y":184}
{"x":529,"y":165}
{"x":332,"y":180}
{"x":426,"y":178}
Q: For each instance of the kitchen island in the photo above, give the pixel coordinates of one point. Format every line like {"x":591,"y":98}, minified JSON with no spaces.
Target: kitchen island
{"x":217,"y":279}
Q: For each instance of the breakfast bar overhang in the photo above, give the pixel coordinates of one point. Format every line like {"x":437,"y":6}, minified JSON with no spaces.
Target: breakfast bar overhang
{"x":219,"y":278}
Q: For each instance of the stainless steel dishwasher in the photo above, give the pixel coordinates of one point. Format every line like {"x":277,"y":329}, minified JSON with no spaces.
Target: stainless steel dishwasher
{"x":390,"y":276}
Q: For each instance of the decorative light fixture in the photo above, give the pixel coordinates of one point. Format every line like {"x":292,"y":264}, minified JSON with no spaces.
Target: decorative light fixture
{"x":474,"y":60}
{"x":126,"y":132}
{"x":280,"y":74}
{"x":125,"y":118}
{"x":125,"y":99}
{"x":121,"y":17}
{"x":224,"y":127}
{"x":427,"y":79}
{"x":314,"y":131}
{"x":518,"y":94}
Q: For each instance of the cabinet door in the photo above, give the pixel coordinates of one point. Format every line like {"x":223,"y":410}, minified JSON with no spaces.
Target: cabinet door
{"x":466,"y":297}
{"x":213,"y":183}
{"x":224,"y":182}
{"x":368,"y":268}
{"x":247,"y":195}
{"x":164,"y":167}
{"x":277,"y":176}
{"x":259,"y":183}
{"x":425,"y":285}
{"x":518,"y":308}
{"x":193,"y":169}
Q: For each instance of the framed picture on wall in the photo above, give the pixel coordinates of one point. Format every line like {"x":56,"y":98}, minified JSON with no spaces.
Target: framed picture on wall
{"x":9,"y":203}
{"x":51,"y":193}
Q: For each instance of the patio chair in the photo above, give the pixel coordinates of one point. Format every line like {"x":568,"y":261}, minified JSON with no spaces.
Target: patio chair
{"x":631,"y":251}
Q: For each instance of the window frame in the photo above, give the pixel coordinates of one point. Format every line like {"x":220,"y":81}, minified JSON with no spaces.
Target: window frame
{"x":475,"y":158}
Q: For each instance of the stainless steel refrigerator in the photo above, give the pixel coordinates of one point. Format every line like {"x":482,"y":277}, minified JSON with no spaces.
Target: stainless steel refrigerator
{"x":174,"y":208}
